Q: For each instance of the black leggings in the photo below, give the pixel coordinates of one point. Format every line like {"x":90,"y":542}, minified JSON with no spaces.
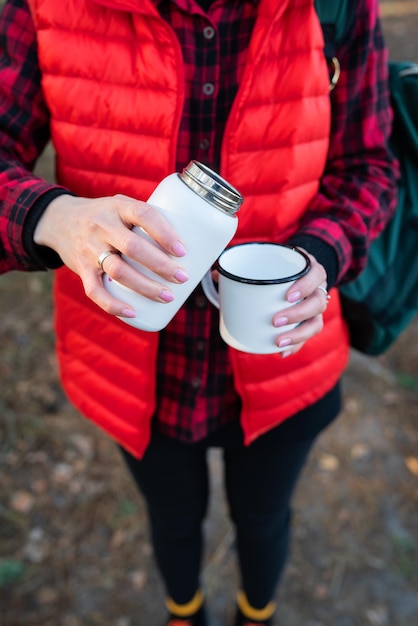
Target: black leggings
{"x":259,"y":481}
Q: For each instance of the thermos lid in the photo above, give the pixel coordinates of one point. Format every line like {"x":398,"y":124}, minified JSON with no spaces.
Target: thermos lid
{"x":212,"y":187}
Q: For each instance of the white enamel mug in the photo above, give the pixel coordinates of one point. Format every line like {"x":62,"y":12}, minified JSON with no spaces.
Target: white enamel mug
{"x":253,"y":281}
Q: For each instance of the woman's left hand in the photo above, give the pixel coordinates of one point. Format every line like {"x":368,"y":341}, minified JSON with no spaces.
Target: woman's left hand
{"x":311,"y":298}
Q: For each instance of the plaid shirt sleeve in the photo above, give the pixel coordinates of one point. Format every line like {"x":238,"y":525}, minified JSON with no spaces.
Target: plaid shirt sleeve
{"x":24,"y":132}
{"x":358,"y":190}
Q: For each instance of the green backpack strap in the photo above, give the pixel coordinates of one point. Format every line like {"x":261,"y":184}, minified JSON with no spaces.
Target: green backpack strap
{"x":335,"y":17}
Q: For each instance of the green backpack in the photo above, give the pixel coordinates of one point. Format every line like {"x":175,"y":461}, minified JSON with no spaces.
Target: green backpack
{"x":383,"y":300}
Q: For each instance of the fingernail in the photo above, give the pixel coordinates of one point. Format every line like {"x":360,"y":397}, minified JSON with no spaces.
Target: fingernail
{"x":280,"y":321}
{"x":179,"y":249}
{"x":166,"y":295}
{"x":286,"y":354}
{"x":284,"y":342}
{"x":294,"y":296}
{"x":181,"y":275}
{"x":128,"y":313}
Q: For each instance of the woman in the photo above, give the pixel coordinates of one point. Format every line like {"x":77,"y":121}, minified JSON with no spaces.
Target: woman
{"x":129,"y":92}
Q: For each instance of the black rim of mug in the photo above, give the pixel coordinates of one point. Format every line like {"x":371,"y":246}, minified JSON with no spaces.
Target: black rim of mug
{"x":265,"y":281}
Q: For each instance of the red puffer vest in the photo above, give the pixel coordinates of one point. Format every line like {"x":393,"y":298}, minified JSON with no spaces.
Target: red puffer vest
{"x":113,"y":81}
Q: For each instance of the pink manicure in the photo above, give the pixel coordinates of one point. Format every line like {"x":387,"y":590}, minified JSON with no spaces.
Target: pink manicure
{"x":280,"y":321}
{"x":166,"y":295}
{"x":179,"y":249}
{"x":294,"y":297}
{"x":128,"y":313}
{"x":181,"y":275}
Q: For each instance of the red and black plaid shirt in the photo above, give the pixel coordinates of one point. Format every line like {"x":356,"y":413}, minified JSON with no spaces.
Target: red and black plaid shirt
{"x":195,"y":390}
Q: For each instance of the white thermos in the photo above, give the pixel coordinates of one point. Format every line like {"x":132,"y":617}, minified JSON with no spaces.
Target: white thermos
{"x":202,"y":207}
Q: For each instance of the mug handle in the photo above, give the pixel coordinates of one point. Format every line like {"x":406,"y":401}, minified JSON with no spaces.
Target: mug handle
{"x":209,"y":289}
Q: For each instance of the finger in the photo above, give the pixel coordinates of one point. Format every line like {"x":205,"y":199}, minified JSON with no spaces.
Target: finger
{"x":102,"y":258}
{"x":94,"y":289}
{"x":306,"y":309}
{"x":293,"y":341}
{"x":143,"y":250}
{"x":144,"y":215}
{"x":117,"y":269}
{"x":303,"y":287}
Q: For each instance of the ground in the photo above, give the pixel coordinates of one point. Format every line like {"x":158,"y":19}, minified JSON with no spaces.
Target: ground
{"x":74,"y":547}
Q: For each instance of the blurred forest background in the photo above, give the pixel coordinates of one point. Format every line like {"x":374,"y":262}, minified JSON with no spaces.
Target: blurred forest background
{"x":74,"y":547}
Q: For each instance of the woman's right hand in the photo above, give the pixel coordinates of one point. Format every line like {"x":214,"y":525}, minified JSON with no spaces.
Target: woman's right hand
{"x":81,"y":229}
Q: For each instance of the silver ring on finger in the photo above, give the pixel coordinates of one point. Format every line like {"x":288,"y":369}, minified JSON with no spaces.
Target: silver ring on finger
{"x":327,"y":295}
{"x":104,"y":256}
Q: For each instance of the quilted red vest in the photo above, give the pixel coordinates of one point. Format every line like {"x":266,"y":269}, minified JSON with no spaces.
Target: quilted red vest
{"x":113,"y":81}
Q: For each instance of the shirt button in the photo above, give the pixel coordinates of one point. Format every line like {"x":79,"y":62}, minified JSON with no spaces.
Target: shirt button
{"x":200,"y":345}
{"x":208,"y":89}
{"x":201,"y":302}
{"x":208,"y":32}
{"x":204,"y":144}
{"x":196,"y":382}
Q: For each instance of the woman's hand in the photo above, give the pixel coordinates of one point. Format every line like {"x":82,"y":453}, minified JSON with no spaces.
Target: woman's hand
{"x":80,"y":230}
{"x":312,"y":298}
